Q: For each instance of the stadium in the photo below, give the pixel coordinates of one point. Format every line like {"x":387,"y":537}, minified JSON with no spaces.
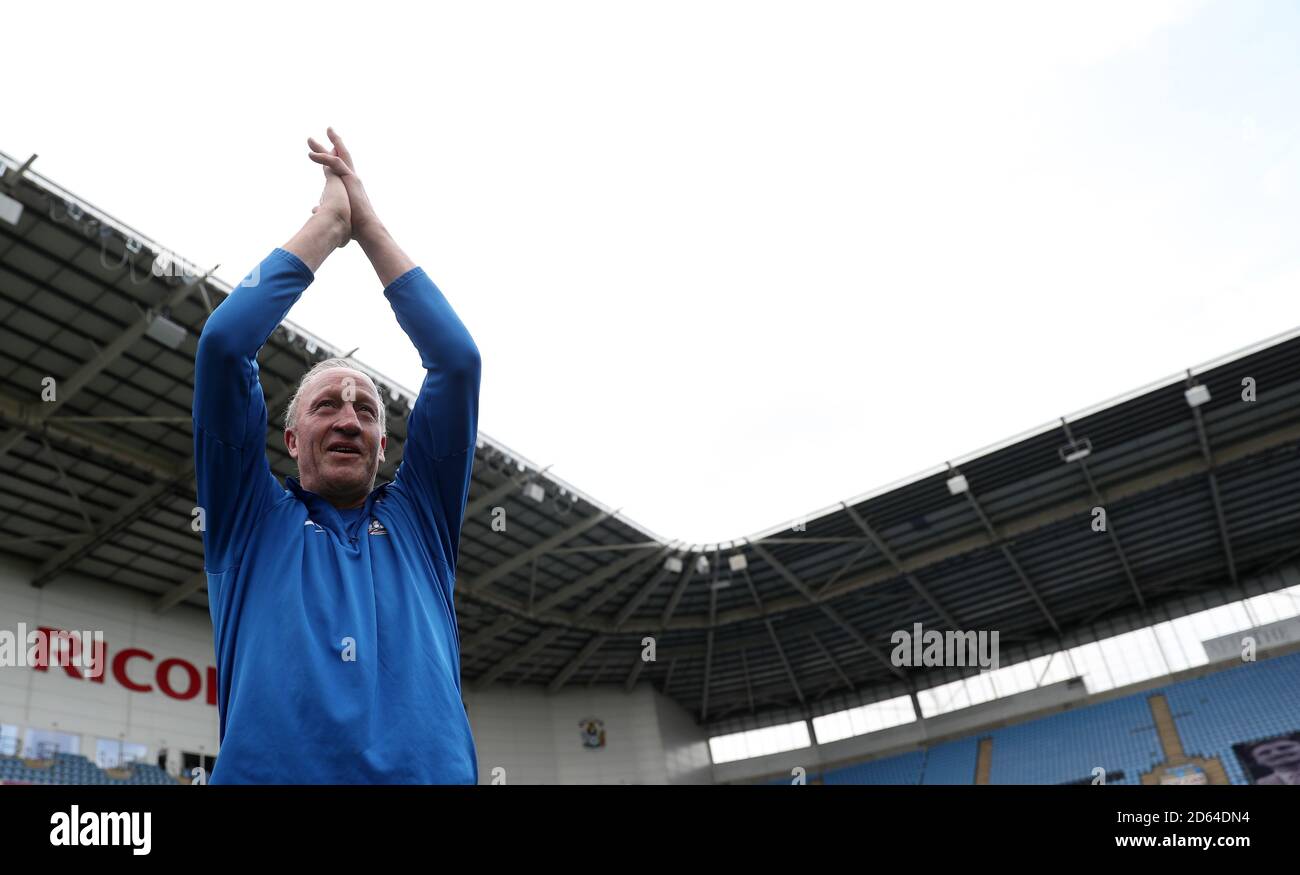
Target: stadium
{"x":1131,"y":574}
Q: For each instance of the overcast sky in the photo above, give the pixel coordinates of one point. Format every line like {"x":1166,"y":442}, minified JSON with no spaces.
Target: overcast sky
{"x":727,"y":263}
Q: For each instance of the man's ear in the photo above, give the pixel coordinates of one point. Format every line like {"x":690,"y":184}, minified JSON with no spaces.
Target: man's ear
{"x":383,"y":442}
{"x":291,"y":443}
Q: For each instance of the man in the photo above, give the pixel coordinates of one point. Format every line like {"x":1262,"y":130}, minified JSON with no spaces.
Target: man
{"x":1282,"y":755}
{"x":338,"y":656}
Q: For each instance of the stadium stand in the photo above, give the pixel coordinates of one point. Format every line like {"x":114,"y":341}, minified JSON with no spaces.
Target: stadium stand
{"x":1118,"y":736}
{"x":950,"y":763}
{"x":1211,"y":714}
{"x":1239,"y":705}
{"x":65,"y":768}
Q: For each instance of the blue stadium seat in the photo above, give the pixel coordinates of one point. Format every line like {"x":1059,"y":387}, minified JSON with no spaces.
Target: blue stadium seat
{"x":1211,"y":713}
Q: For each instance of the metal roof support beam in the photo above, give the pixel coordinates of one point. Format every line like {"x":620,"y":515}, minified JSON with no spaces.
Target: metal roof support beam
{"x":496,"y":493}
{"x":642,"y":594}
{"x":10,"y":180}
{"x":22,"y":417}
{"x":635,"y":673}
{"x":1006,"y":552}
{"x":831,"y":659}
{"x":40,"y":538}
{"x":180,"y":593}
{"x":483,"y":581}
{"x":753,"y":593}
{"x":863,"y":643}
{"x":708,"y":654}
{"x":785,"y":662}
{"x":802,"y":541}
{"x":668,"y":677}
{"x":1110,"y":522}
{"x":78,"y":550}
{"x":1281,"y":437}
{"x":843,"y":568}
{"x":596,"y":601}
{"x":789,"y":576}
{"x":823,"y":606}
{"x":68,"y":388}
{"x":538,"y":644}
{"x":637,"y":561}
{"x":608,"y":548}
{"x":898,"y":566}
{"x":1208,"y":455}
{"x":173,"y":420}
{"x":749,"y":687}
{"x":67,"y":484}
{"x":676,"y":597}
{"x":576,"y":663}
{"x":484,"y":636}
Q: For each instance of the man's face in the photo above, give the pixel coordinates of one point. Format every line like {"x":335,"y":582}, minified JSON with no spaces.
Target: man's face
{"x":1277,"y":753}
{"x":336,"y":439}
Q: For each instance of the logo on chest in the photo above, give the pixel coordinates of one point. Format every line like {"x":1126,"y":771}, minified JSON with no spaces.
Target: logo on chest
{"x":377,"y":528}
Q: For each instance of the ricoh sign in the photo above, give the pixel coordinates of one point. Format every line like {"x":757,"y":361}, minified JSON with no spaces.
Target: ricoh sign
{"x":87,"y":657}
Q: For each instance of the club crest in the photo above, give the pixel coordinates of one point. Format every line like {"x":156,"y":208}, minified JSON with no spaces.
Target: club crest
{"x":593,"y":733}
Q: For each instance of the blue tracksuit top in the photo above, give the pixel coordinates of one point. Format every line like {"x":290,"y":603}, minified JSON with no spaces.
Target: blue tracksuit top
{"x":288,"y":580}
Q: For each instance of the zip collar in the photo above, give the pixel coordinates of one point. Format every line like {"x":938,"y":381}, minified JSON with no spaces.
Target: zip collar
{"x":321,"y":510}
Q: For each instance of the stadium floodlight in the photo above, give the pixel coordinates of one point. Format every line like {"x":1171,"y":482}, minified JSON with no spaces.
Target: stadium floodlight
{"x":737,"y":562}
{"x":702,"y":565}
{"x":166,"y":332}
{"x":1075,"y":451}
{"x":1197,"y":395}
{"x":535,"y":492}
{"x":957,"y":484}
{"x":673,"y":564}
{"x":11,"y":210}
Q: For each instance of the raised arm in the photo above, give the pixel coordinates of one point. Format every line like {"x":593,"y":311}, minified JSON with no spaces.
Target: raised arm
{"x":233,"y":477}
{"x":329,"y":228}
{"x":386,"y":257}
{"x":438,"y":455}
{"x":442,"y":430}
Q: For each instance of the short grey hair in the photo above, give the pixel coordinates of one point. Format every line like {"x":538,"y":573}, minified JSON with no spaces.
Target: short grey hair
{"x":291,"y":414}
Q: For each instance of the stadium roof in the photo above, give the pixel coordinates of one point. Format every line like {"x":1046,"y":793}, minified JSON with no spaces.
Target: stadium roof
{"x":1202,"y":504}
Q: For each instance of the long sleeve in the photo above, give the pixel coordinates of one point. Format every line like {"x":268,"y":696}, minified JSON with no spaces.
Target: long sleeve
{"x":442,"y":430}
{"x":234,"y":479}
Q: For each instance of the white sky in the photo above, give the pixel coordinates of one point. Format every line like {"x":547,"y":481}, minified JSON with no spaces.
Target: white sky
{"x":727,"y":263}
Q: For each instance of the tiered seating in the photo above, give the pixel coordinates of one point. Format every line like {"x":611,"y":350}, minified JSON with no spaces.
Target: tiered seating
{"x":15,"y":770}
{"x":142,"y":773}
{"x":68,"y":768}
{"x":1119,"y":736}
{"x":1212,"y":713}
{"x":951,"y":763}
{"x":903,"y":769}
{"x":1242,"y":704}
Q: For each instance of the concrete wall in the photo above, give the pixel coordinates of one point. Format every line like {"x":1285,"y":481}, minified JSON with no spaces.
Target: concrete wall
{"x":52,"y":699}
{"x":535,"y":737}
